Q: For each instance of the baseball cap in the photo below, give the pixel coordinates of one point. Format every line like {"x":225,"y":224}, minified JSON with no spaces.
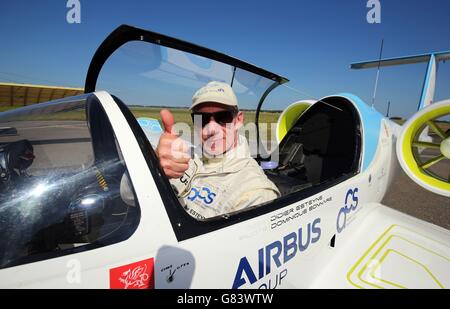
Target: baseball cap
{"x":217,"y":92}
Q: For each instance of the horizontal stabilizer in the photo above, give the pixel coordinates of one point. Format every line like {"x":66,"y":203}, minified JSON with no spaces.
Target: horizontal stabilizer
{"x":440,"y":56}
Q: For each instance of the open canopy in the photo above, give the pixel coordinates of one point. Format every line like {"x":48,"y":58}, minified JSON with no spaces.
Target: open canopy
{"x":150,"y":69}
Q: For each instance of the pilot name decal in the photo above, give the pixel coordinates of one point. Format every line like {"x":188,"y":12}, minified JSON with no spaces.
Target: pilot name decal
{"x":276,"y":254}
{"x":351,"y":204}
{"x":139,"y":275}
{"x":293,"y":213}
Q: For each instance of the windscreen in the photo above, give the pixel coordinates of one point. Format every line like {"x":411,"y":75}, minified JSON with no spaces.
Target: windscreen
{"x":148,"y":77}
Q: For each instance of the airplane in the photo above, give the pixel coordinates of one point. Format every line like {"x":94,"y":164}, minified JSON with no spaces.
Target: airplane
{"x":65,"y":223}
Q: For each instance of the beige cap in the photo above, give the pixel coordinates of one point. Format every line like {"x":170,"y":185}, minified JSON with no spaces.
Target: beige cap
{"x":217,"y":92}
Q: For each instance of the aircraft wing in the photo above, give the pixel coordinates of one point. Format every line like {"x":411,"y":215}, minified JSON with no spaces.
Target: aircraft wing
{"x":388,"y":249}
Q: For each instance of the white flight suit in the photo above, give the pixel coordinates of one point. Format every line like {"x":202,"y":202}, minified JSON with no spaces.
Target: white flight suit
{"x":217,"y":186}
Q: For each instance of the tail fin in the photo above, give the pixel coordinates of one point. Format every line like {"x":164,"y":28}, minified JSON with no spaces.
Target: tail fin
{"x":429,"y":84}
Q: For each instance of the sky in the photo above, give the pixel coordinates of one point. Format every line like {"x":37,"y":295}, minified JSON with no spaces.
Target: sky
{"x":310,"y":42}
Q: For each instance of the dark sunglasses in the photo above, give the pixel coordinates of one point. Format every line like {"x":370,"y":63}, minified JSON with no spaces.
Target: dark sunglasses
{"x":222,"y":117}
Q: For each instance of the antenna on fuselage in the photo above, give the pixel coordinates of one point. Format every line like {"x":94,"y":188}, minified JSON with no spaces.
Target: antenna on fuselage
{"x":388,"y":108}
{"x":378,"y":74}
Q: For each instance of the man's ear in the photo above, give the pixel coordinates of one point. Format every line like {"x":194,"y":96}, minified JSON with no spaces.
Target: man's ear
{"x":240,"y":119}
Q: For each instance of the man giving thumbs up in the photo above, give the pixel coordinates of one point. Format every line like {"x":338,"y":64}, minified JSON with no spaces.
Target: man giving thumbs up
{"x":225,"y":178}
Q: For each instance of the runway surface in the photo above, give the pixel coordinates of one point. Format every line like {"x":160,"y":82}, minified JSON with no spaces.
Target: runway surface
{"x":408,"y":197}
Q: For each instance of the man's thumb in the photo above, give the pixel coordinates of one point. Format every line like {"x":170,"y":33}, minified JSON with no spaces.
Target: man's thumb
{"x":167,"y":120}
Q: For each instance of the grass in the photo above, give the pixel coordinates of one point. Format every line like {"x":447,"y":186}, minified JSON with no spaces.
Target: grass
{"x":61,"y":116}
{"x":444,"y":125}
{"x":7,"y":108}
{"x":180,"y":115}
{"x":183,"y":115}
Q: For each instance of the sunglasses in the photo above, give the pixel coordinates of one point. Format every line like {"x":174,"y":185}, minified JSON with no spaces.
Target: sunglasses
{"x":222,"y":117}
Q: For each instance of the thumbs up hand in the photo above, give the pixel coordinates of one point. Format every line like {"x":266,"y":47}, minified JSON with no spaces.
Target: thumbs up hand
{"x":172,"y":151}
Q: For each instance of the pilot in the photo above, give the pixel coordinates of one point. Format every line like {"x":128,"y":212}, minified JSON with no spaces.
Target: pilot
{"x":224,"y":178}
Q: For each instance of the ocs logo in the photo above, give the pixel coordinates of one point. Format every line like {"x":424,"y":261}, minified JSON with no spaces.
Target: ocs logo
{"x":203,"y":194}
{"x":351,"y":203}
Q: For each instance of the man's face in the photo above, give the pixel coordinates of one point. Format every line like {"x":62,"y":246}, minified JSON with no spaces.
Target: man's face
{"x":217,"y":136}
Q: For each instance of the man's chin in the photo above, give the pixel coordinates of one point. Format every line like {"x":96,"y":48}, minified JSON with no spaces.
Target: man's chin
{"x":211,"y":150}
{"x":209,"y":153}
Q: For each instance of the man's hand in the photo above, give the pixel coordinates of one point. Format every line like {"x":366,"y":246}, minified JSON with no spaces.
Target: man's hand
{"x":172,"y":151}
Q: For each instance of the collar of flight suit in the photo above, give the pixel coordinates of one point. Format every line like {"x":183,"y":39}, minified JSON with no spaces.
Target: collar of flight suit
{"x":230,"y":162}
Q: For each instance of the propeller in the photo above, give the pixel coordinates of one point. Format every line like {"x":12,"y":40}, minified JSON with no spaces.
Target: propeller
{"x":426,"y":159}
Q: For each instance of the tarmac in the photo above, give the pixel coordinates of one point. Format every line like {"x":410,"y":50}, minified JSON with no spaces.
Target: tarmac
{"x":408,"y":197}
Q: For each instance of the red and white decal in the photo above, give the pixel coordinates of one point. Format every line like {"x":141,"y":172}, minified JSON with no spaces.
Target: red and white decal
{"x":139,"y":275}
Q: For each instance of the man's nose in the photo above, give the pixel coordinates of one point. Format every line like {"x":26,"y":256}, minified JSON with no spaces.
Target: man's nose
{"x":212,"y":128}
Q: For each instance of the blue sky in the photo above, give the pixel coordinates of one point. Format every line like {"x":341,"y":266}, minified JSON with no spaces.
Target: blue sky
{"x":310,"y":42}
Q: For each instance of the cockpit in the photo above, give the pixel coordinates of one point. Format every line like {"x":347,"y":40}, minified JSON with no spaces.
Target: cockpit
{"x":322,"y":146}
{"x":61,"y":170}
